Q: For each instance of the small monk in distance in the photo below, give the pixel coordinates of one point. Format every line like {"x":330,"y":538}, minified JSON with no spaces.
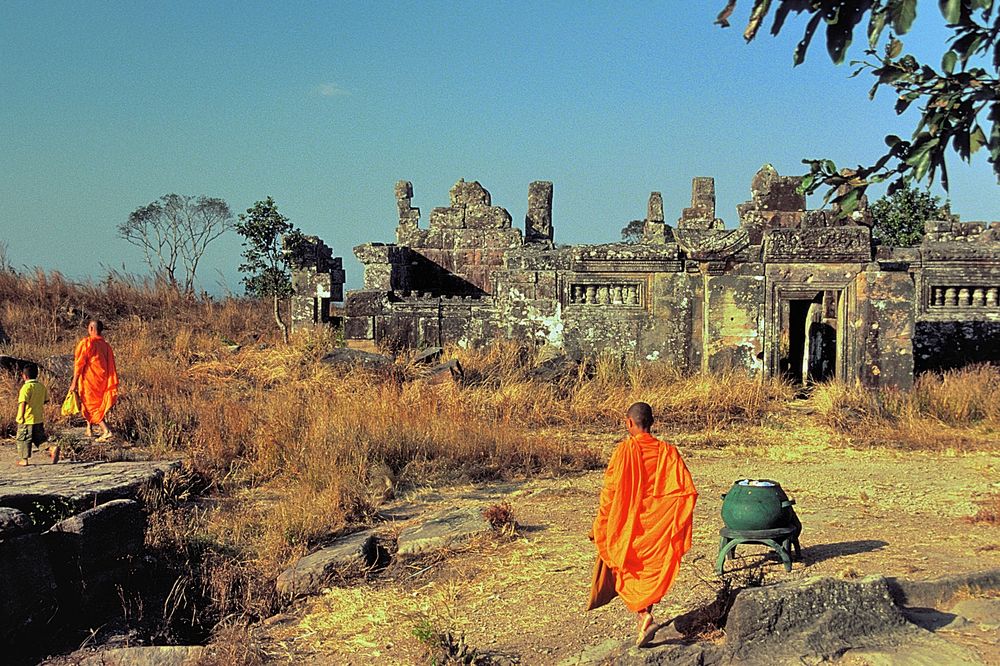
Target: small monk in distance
{"x":643,"y":524}
{"x":95,"y":379}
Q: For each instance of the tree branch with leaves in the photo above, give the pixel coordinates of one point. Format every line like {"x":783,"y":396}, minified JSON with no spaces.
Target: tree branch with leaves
{"x":959,"y":102}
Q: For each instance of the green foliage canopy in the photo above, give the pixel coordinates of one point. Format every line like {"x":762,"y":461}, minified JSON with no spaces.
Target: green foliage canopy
{"x":632,"y":232}
{"x":898,"y":218}
{"x":265,"y":263}
{"x":959,"y":101}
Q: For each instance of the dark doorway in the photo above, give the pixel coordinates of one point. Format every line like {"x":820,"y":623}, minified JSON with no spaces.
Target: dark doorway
{"x":809,"y":338}
{"x":791,"y":365}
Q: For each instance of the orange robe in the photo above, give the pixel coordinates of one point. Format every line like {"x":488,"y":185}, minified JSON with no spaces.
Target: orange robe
{"x":94,"y":362}
{"x":643,"y":525}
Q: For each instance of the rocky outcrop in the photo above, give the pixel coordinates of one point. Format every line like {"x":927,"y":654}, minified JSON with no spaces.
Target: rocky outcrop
{"x":347,"y":555}
{"x":70,"y":535}
{"x":440,"y":531}
{"x":819,"y":619}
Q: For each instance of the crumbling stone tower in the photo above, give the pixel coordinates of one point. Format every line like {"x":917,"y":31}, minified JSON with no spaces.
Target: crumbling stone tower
{"x":792,"y":292}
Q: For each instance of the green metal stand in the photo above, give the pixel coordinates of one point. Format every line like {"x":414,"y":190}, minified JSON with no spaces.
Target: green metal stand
{"x":781,"y":540}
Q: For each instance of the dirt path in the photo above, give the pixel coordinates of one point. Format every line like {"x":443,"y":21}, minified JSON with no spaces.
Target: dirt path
{"x":863,"y":512}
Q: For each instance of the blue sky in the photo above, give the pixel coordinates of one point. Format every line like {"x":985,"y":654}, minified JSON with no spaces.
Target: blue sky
{"x":106,"y":106}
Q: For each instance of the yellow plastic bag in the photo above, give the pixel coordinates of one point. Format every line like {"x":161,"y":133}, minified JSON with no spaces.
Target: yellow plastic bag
{"x":70,"y":405}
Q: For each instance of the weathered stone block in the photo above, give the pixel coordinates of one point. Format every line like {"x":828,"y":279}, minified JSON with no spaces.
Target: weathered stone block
{"x":834,"y":244}
{"x":465,"y":194}
{"x":448,"y":218}
{"x":486,"y":217}
{"x":348,"y":555}
{"x":654,"y":209}
{"x":815,"y":616}
{"x":441,"y":530}
{"x":769,"y":191}
{"x":359,"y":328}
{"x":538,"y":220}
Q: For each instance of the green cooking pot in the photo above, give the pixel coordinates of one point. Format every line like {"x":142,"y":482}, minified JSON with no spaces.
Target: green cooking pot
{"x":757,"y":504}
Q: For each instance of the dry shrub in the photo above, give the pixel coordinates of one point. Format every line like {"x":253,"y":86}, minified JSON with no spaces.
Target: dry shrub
{"x":958,"y":410}
{"x":989,"y":511}
{"x":960,"y":397}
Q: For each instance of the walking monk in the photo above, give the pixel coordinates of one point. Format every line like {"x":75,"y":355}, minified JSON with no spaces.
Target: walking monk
{"x":95,"y":379}
{"x":643,"y":525}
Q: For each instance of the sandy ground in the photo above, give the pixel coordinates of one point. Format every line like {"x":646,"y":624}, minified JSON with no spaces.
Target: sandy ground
{"x":863,"y":512}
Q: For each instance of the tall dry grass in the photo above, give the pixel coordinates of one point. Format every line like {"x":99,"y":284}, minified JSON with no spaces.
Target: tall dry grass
{"x":957,"y":409}
{"x":292,"y":450}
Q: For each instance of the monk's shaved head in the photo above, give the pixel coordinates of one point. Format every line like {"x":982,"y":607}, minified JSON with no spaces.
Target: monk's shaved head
{"x":641,"y":414}
{"x":97,"y":324}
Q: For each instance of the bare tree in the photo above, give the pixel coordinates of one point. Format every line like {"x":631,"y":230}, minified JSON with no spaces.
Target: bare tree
{"x":173,"y":233}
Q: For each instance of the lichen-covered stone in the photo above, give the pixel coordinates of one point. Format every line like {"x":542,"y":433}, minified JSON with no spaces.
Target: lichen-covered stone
{"x":789,"y":292}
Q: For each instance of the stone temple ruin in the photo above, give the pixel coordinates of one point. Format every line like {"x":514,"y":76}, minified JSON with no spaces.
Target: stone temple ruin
{"x":793,"y":292}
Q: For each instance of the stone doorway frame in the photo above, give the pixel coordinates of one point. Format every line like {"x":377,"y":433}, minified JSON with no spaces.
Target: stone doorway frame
{"x":780,"y":293}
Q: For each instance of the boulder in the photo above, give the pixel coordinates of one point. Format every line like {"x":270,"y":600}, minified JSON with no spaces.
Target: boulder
{"x":13,"y":522}
{"x":103,"y":535}
{"x":817,"y":616}
{"x":60,"y":366}
{"x":159,"y":655}
{"x":440,"y":531}
{"x":309,"y":574}
{"x":93,"y":553}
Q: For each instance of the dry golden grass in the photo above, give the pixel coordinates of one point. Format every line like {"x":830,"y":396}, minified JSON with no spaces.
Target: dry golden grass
{"x":292,"y":447}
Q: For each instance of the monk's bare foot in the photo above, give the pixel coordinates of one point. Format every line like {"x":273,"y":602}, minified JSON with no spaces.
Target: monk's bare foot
{"x":647,"y":629}
{"x":22,"y":463}
{"x":90,"y":433}
{"x":105,"y":436}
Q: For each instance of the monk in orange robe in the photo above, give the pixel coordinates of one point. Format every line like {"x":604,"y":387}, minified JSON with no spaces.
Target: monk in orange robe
{"x":643,"y":525}
{"x":95,"y":379}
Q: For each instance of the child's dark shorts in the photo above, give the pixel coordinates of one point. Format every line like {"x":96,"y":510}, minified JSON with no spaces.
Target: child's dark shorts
{"x":28,"y":434}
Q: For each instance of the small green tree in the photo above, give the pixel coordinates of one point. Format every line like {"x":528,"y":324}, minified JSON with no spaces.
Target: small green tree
{"x":632,"y":232}
{"x":267,"y":235}
{"x":898,"y":218}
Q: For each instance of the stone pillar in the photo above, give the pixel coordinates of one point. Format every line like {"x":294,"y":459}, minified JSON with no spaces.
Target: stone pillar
{"x":701,"y":214}
{"x":654,"y":229}
{"x":538,"y":221}
{"x":409,"y":217}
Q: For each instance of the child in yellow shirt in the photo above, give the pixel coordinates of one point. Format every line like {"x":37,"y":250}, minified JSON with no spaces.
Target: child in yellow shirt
{"x":30,"y":418}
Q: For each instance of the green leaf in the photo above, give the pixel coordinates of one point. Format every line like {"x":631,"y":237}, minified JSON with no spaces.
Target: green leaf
{"x":876,"y":24}
{"x":977,"y":139}
{"x":948,"y":62}
{"x":757,"y":14}
{"x":903,"y":13}
{"x":848,"y":201}
{"x":951,"y":10}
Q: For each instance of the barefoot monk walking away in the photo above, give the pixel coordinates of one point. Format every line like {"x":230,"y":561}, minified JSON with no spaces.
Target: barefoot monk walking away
{"x":643,"y":524}
{"x":95,"y":379}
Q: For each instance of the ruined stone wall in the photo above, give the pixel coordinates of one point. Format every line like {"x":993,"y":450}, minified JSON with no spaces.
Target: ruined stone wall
{"x":317,"y":282}
{"x":957,"y":300}
{"x":789,"y":292}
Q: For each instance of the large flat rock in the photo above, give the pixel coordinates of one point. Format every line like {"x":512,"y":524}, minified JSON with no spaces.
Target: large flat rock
{"x":441,"y":530}
{"x":310,"y":573}
{"x":77,"y":484}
